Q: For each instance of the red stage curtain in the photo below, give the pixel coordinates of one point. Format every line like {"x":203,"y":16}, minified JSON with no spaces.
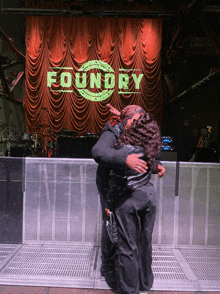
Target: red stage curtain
{"x":58,"y":42}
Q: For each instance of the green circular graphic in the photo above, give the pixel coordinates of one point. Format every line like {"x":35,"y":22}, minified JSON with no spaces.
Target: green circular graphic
{"x":100,"y":96}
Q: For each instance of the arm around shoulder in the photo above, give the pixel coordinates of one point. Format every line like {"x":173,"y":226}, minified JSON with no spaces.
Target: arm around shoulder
{"x":104,"y":153}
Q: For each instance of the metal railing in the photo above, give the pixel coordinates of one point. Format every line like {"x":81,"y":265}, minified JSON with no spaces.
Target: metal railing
{"x":61,"y":203}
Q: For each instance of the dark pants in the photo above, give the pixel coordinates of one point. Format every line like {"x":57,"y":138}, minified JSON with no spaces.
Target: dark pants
{"x":127,"y":265}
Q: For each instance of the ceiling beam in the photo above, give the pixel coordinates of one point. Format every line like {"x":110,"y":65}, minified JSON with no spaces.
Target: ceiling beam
{"x":202,"y":82}
{"x":186,"y":18}
{"x":91,"y":13}
{"x":11,"y":45}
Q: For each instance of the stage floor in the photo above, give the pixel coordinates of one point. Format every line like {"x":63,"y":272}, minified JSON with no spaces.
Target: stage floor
{"x":77,"y":267}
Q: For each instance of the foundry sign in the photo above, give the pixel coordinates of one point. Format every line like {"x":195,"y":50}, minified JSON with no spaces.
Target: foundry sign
{"x":94,"y":86}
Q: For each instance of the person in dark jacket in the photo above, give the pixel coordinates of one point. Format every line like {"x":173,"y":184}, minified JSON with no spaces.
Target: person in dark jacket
{"x":126,"y":265}
{"x":144,"y":139}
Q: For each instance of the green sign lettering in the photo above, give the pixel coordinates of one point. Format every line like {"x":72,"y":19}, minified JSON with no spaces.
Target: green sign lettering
{"x":65,"y":79}
{"x":109,"y":81}
{"x":80,"y":85}
{"x":50,"y":79}
{"x":95,"y":80}
{"x":123,"y":80}
{"x":103,"y":80}
{"x":137,"y":80}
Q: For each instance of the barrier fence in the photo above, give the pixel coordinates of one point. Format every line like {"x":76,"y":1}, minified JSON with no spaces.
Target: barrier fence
{"x":61,"y":203}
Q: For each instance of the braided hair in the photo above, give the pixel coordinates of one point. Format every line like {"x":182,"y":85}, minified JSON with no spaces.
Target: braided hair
{"x":143,"y":132}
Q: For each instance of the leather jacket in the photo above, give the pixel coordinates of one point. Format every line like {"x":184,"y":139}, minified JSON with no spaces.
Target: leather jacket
{"x":123,"y":181}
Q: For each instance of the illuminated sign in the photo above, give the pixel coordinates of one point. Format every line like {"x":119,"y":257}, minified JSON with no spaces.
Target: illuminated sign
{"x":87,"y":82}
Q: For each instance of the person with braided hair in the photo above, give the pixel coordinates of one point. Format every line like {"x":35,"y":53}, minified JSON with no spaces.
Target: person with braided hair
{"x":126,"y":153}
{"x":143,"y":138}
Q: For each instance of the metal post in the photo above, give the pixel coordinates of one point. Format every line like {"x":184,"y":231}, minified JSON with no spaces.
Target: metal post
{"x":69,"y":206}
{"x":54,"y":204}
{"x":160,"y":212}
{"x":192,"y":194}
{"x":83,"y":200}
{"x":39,"y":197}
{"x":176,"y":217}
{"x":207,"y":206}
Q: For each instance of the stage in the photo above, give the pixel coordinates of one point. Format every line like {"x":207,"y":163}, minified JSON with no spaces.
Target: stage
{"x":51,"y":225}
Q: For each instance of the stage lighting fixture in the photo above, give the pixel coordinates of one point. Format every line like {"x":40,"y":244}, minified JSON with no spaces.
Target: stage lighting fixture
{"x":167,"y":148}
{"x":166,"y":141}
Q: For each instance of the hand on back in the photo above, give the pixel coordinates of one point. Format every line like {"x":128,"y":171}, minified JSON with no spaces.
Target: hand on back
{"x":134,"y":162}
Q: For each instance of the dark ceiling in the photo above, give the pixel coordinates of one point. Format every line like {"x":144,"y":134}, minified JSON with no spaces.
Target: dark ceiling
{"x":190,"y":27}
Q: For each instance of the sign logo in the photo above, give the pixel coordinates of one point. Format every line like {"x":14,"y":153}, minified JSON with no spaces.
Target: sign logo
{"x":94,"y":86}
{"x":109,"y":78}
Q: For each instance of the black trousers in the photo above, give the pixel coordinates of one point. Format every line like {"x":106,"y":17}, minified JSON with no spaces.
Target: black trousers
{"x":127,"y":265}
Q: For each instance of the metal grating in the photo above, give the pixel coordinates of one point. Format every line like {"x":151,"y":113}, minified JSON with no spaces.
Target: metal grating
{"x":47,"y":272}
{"x":162,"y":253}
{"x":201,"y":253}
{"x":204,"y":263}
{"x":52,"y":260}
{"x":5,"y":251}
{"x":169,"y":276}
{"x":166,"y":266}
{"x":208,"y":277}
{"x":167,"y":258}
{"x":213,"y":265}
{"x":78,"y":266}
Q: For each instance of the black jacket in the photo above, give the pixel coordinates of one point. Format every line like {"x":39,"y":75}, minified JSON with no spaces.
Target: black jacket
{"x":109,"y":158}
